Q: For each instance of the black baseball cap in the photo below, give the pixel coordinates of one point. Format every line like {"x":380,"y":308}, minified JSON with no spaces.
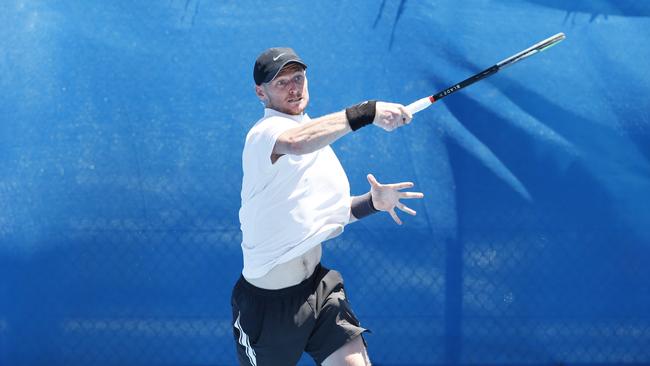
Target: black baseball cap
{"x":270,"y":62}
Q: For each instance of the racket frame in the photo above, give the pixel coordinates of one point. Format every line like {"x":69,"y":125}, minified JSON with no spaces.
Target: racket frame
{"x":423,"y":103}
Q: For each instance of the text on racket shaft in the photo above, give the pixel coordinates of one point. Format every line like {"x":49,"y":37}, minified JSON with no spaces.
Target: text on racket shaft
{"x":450,"y":90}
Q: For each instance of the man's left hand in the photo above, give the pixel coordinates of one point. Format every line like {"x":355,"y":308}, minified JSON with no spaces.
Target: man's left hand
{"x":385,"y":197}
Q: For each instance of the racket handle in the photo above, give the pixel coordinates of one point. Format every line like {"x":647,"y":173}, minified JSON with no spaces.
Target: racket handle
{"x":419,"y":105}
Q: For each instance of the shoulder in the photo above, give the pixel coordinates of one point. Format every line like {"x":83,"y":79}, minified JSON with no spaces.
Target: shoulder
{"x":270,"y":125}
{"x":269,"y":121}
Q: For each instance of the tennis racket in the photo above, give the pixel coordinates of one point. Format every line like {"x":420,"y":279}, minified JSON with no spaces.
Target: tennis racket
{"x":423,"y":103}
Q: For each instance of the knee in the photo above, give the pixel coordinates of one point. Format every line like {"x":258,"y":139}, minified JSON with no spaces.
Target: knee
{"x":352,"y":353}
{"x":357,"y":359}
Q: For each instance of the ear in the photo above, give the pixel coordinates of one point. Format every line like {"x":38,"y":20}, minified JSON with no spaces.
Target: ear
{"x":259,"y":91}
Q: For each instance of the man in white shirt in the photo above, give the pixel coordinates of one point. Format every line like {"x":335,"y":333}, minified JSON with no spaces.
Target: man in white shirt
{"x":295,"y":195}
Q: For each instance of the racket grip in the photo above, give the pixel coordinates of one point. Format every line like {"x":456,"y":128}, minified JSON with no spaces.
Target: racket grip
{"x":419,"y":105}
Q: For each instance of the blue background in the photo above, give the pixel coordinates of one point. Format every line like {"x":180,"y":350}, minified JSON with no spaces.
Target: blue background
{"x":122,"y":125}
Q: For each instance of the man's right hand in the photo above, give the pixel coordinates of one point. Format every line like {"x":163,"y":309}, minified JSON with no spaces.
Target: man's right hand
{"x":390,"y":116}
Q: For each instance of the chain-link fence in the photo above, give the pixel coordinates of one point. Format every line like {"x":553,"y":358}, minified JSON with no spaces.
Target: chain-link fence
{"x":121,"y":129}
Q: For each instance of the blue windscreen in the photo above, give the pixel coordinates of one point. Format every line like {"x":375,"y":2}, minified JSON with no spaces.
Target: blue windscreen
{"x":121,"y":130}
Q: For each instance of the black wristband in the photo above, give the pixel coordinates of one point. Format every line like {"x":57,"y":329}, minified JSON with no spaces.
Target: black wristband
{"x":361,"y":114}
{"x":362,"y":206}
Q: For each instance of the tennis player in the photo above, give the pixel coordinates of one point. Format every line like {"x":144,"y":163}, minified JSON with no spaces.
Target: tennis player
{"x":295,"y":195}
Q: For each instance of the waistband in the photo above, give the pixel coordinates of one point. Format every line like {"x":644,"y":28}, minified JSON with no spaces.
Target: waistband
{"x":305,"y":285}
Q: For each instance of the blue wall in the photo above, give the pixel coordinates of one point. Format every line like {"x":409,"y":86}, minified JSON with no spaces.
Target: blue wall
{"x":121,"y":129}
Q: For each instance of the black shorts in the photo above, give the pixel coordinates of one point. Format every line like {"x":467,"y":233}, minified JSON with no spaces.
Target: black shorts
{"x":274,"y":327}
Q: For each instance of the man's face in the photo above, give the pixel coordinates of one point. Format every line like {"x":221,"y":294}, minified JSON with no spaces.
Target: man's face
{"x":287,"y":93}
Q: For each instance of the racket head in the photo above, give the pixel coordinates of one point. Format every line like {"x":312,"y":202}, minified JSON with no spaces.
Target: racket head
{"x":538,"y":47}
{"x":552,"y":41}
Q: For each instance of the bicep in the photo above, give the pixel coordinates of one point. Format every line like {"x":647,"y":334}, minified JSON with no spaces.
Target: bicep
{"x":283,"y":144}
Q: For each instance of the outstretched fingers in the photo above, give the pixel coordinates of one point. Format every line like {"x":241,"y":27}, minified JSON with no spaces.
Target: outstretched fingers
{"x":394,"y":216}
{"x":373,"y":181}
{"x":406,"y":209}
{"x":411,"y":195}
{"x":389,"y":196}
{"x":401,"y":185}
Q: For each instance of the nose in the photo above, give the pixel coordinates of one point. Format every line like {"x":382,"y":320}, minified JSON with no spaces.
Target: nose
{"x":293,"y":87}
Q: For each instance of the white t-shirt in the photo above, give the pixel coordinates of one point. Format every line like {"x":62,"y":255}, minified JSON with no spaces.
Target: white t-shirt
{"x":291,"y":206}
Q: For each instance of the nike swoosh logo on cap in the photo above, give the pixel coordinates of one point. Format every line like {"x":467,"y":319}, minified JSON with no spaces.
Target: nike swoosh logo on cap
{"x":278,"y":56}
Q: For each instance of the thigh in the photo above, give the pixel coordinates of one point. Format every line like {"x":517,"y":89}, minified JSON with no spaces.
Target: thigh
{"x":336,"y":324}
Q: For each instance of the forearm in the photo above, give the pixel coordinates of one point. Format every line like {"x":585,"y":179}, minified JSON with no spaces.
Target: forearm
{"x":323,"y":131}
{"x":314,"y":135}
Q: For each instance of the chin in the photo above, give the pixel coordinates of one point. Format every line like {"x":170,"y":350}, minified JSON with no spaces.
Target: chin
{"x":303,"y":105}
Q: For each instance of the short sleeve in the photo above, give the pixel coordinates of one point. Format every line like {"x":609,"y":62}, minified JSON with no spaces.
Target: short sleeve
{"x":263,"y":137}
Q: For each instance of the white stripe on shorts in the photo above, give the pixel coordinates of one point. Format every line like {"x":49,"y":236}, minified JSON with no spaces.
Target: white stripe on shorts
{"x":245,"y":342}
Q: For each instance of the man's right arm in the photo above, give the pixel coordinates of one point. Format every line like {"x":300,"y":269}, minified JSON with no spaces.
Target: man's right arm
{"x":323,"y":131}
{"x":313,"y":135}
